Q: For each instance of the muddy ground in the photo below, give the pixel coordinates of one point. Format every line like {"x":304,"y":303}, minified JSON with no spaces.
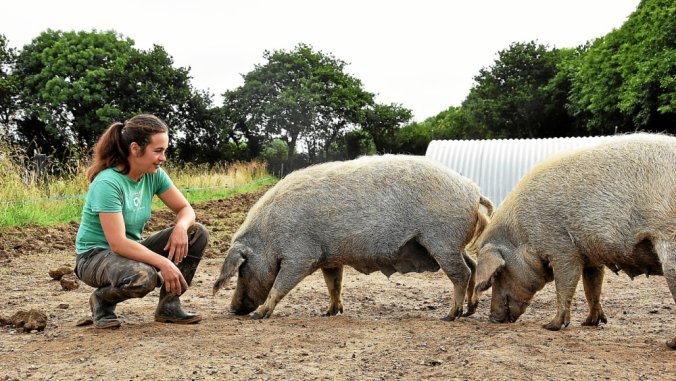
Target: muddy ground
{"x":391,"y":328}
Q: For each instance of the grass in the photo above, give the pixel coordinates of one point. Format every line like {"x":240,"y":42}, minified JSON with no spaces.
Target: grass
{"x":196,"y":196}
{"x":26,"y":199}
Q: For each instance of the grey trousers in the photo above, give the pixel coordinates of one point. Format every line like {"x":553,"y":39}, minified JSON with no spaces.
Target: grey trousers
{"x":133,"y":279}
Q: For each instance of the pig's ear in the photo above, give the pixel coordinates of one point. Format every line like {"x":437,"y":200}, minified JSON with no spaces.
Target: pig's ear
{"x":489,"y":263}
{"x":233,"y":260}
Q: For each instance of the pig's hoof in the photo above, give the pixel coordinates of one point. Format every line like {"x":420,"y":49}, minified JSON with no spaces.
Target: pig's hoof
{"x":255,"y":316}
{"x":595,"y":320}
{"x":334,"y":311}
{"x":452,"y":315}
{"x":470,"y":311}
{"x":552,"y":326}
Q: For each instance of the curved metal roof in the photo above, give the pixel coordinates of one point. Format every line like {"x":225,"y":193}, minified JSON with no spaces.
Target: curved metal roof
{"x":497,"y":165}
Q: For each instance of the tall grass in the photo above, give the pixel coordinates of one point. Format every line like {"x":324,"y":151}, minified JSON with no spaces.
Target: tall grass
{"x":28,"y":198}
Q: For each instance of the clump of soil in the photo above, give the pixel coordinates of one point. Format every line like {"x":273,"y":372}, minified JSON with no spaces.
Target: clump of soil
{"x":56,"y":274}
{"x":69,"y":282}
{"x":27,"y":320}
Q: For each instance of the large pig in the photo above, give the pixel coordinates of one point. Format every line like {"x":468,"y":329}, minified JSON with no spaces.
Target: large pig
{"x":389,"y":213}
{"x":611,"y":205}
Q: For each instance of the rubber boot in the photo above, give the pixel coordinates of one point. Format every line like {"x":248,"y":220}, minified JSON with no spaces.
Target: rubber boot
{"x":169,"y":308}
{"x":102,"y":303}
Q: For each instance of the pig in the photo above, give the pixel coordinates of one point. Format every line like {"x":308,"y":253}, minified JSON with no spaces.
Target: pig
{"x":392,"y":213}
{"x":611,"y":205}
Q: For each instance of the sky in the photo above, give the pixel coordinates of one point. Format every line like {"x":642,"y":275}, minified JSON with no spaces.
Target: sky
{"x":420,"y":54}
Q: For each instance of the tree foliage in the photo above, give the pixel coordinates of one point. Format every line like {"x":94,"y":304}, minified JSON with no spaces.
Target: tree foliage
{"x":301,"y":95}
{"x":64,"y":83}
{"x":9,"y":84}
{"x":514,"y":98}
{"x":382,"y":122}
{"x":76,"y":83}
{"x":627,"y":79}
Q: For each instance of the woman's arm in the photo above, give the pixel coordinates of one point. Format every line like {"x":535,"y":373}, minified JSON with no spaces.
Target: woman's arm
{"x":185,"y":218}
{"x":114,"y":230}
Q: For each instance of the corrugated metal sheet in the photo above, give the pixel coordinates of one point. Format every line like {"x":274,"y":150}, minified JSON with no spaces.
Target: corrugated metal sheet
{"x":497,"y":165}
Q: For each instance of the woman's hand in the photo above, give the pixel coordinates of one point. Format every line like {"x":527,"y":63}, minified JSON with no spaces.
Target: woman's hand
{"x":173,"y":279}
{"x":185,"y":217}
{"x":177,"y":245}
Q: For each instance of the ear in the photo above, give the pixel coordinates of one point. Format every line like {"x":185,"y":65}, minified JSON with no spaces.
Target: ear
{"x":489,"y":263}
{"x":233,"y":260}
{"x":134,"y":148}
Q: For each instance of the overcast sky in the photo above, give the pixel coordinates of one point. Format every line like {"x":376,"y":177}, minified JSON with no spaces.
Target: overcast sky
{"x":422,"y":54}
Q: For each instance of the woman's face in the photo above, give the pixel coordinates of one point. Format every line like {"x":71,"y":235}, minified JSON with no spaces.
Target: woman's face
{"x":151,"y":159}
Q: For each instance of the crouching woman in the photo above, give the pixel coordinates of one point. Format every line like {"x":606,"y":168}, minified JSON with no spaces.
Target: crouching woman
{"x":112,"y":256}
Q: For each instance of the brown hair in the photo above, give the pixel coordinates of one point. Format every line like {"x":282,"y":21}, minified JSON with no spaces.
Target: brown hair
{"x":112,"y":148}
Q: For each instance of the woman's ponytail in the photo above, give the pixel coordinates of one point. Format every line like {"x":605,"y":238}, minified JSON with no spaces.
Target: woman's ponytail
{"x":107,"y":150}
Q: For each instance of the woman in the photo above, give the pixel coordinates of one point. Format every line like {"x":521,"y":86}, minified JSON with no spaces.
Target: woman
{"x":111,"y":255}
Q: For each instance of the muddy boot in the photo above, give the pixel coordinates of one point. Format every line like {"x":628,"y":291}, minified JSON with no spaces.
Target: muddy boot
{"x":103,"y":309}
{"x":169,"y":308}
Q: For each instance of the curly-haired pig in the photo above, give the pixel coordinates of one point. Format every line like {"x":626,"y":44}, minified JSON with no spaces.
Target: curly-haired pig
{"x":392,"y":213}
{"x":611,"y":205}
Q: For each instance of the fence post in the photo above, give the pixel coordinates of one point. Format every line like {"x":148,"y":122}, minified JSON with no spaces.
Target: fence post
{"x":42,"y":172}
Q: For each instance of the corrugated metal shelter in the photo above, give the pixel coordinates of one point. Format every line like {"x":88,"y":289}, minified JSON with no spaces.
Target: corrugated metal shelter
{"x":497,"y":165}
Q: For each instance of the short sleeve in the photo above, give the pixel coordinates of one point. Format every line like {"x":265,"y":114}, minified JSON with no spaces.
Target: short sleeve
{"x":163,"y":182}
{"x":105,"y":196}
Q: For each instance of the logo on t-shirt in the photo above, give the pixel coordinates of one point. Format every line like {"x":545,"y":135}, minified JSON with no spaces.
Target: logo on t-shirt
{"x":136,"y":199}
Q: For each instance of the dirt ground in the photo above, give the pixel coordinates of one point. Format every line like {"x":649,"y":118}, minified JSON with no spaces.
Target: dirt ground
{"x":391,"y":328}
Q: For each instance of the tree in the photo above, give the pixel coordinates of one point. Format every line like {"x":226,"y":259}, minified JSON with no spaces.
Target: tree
{"x":74,"y":84}
{"x":147,"y":81}
{"x":382,"y":121}
{"x":450,"y":124}
{"x":9,"y":86}
{"x":513,"y":99}
{"x":357,"y":143}
{"x":206,"y":136}
{"x":295,"y":96}
{"x":64,"y":83}
{"x":275,"y":153}
{"x":412,"y":139}
{"x":627,"y":79}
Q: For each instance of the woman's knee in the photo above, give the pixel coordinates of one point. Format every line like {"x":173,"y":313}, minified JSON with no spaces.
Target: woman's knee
{"x":139,"y":280}
{"x":198,"y":237}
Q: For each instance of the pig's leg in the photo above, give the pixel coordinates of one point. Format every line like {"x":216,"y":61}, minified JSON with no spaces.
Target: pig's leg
{"x":592,"y":279}
{"x":334,"y":282}
{"x":471,"y":303}
{"x":567,"y":275}
{"x":453,"y":264}
{"x":289,"y":275}
{"x":666,"y":251}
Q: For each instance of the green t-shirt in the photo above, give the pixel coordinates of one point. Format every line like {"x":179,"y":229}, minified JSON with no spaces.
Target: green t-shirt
{"x":111,"y":191}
